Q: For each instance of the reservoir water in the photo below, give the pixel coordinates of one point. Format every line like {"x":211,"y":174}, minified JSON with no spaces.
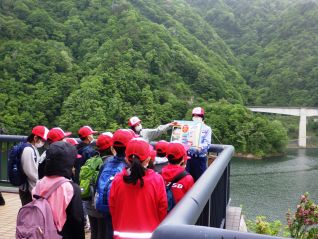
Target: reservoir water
{"x":269,"y":187}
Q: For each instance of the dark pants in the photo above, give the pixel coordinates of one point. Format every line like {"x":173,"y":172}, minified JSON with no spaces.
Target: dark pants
{"x":98,"y":227}
{"x":101,"y":224}
{"x":109,"y":227}
{"x":196,"y":166}
{"x":25,"y":197}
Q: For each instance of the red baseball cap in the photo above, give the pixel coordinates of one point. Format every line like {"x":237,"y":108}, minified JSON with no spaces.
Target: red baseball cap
{"x":122,"y":137}
{"x":162,"y":146}
{"x":72,"y":141}
{"x":133,"y":121}
{"x":133,"y":133}
{"x":138,"y":147}
{"x":40,"y":131}
{"x":176,"y":151}
{"x":104,"y":141}
{"x":57,"y":134}
{"x":86,"y":131}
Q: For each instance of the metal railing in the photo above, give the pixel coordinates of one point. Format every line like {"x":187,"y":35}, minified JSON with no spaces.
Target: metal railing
{"x":201,"y":213}
{"x":6,"y":143}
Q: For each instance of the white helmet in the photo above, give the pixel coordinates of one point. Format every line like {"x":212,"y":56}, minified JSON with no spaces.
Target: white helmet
{"x":133,"y":121}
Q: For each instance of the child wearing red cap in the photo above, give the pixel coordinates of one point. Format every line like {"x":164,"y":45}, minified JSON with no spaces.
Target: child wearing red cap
{"x":85,"y":149}
{"x":161,"y":159}
{"x":30,"y":161}
{"x":111,"y":167}
{"x":54,"y":135}
{"x":97,"y":220}
{"x":177,"y":156}
{"x":138,"y":201}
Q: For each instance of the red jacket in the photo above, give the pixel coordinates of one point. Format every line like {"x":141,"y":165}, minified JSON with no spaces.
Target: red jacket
{"x":182,"y":186}
{"x":137,"y":211}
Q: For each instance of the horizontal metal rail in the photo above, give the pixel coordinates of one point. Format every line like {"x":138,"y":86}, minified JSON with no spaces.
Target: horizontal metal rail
{"x":201,"y":201}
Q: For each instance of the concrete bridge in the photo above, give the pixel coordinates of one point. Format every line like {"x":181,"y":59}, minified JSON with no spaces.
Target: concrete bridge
{"x":303,"y":113}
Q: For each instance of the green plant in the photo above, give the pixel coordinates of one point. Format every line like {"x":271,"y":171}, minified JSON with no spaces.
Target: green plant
{"x":303,"y":224}
{"x":261,"y":226}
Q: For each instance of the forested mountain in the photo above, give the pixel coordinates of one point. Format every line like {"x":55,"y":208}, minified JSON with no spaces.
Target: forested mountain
{"x":276,"y":43}
{"x":99,"y":62}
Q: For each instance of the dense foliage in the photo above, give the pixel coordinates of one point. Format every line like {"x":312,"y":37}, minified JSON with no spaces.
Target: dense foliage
{"x":236,"y":125}
{"x":98,"y":62}
{"x":276,"y":42}
{"x":302,"y":224}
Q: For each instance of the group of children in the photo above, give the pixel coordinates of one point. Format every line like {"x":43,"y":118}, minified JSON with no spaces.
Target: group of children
{"x":135,"y":173}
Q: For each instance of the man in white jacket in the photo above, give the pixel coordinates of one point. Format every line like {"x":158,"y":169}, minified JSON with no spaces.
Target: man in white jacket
{"x":148,"y":134}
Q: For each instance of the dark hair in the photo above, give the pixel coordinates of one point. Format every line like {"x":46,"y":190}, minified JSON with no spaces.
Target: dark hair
{"x":30,"y":138}
{"x":82,"y":138}
{"x":120,"y":150}
{"x":172,"y":160}
{"x":151,"y":164}
{"x":137,"y":171}
{"x":160,"y":154}
{"x":105,"y":152}
{"x":50,"y":141}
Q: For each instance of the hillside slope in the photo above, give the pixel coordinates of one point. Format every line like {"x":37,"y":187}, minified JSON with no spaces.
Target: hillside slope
{"x":98,"y":62}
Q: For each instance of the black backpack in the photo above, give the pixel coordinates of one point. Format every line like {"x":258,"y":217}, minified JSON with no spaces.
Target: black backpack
{"x":15,"y":172}
{"x":170,"y":198}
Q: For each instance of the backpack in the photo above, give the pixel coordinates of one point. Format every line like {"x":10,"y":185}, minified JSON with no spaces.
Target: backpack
{"x":105,"y":181}
{"x":15,"y":172}
{"x":88,"y":176}
{"x":170,"y":197}
{"x":35,"y":220}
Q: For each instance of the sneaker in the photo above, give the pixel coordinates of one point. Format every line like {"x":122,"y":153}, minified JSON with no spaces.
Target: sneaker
{"x":87,"y":227}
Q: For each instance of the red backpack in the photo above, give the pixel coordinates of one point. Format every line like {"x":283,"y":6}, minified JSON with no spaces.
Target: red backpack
{"x":35,"y":220}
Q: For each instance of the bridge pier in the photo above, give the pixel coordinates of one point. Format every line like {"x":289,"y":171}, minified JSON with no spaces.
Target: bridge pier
{"x":301,"y":112}
{"x":302,"y":131}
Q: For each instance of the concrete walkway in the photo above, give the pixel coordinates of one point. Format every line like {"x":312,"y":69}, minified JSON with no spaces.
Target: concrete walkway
{"x":8,"y":216}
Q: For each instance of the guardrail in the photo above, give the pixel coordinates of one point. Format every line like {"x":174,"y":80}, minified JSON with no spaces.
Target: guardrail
{"x":202,"y":211}
{"x":6,"y":143}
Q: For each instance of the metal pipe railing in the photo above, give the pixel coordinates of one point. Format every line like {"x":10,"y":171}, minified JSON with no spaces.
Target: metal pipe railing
{"x":6,"y":143}
{"x":198,"y":232}
{"x":188,"y":210}
{"x":205,"y":204}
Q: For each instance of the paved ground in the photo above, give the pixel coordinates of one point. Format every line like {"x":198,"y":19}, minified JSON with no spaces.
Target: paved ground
{"x":8,"y":216}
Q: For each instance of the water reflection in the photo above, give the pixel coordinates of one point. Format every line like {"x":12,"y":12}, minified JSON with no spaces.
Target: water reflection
{"x":269,"y":187}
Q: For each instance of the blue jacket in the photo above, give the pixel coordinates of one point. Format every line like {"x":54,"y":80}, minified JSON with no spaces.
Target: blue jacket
{"x":205,"y":141}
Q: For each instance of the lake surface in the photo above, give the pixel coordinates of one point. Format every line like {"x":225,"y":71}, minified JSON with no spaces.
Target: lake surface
{"x":269,"y":187}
